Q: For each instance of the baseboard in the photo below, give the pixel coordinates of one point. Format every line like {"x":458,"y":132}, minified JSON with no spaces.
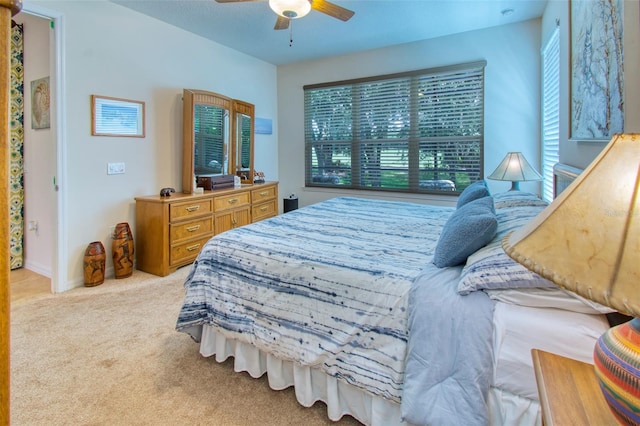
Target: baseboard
{"x":109,"y":272}
{"x":38,"y":269}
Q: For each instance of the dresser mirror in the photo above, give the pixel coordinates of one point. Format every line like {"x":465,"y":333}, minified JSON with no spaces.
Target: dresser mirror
{"x":206,"y":136}
{"x":211,"y":139}
{"x":217,"y":137}
{"x":243,"y":141}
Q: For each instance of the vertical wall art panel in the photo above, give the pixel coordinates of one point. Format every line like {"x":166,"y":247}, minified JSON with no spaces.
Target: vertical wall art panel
{"x":597,"y":81}
{"x":40,"y":116}
{"x":16,"y":168}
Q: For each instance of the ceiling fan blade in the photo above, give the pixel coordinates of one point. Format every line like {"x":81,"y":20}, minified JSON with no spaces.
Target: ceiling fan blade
{"x":332,"y":9}
{"x":282,"y":23}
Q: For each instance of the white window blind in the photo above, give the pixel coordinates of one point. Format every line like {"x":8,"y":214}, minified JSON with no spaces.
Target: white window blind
{"x":416,"y":132}
{"x":550,"y":112}
{"x":210,"y":128}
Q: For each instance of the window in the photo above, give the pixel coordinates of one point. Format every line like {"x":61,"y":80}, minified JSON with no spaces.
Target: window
{"x":421,"y":131}
{"x":550,"y":112}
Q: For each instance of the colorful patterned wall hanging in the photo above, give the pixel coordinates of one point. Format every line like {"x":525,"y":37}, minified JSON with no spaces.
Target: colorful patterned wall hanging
{"x":16,"y":166}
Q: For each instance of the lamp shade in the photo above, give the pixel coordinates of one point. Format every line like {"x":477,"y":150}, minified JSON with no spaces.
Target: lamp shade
{"x":588,"y":241}
{"x":291,"y":9}
{"x":515,"y":168}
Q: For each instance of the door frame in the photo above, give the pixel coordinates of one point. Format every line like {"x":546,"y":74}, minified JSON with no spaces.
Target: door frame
{"x":58,"y":120}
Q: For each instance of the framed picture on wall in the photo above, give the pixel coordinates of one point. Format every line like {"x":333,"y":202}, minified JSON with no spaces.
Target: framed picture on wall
{"x":40,"y":104}
{"x":116,"y":117}
{"x":597,"y":79}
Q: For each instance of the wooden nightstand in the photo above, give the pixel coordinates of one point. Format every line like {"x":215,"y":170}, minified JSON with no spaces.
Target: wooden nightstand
{"x":569,"y":392}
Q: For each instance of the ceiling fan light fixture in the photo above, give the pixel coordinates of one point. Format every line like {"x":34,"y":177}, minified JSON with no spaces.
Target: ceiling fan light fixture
{"x":291,"y":9}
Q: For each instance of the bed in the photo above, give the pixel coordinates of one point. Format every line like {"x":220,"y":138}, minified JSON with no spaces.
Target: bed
{"x":391,"y":312}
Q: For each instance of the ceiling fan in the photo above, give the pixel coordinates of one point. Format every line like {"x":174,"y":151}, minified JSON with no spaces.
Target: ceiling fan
{"x":294,"y":9}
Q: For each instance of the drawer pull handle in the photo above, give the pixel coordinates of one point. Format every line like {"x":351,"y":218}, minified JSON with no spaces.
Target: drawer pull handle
{"x":263,"y":209}
{"x":264,"y":193}
{"x":193,"y":247}
{"x":193,"y":208}
{"x":193,"y":228}
{"x":233,"y":201}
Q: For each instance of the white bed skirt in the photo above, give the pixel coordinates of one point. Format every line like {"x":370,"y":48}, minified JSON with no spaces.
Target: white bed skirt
{"x":313,"y":385}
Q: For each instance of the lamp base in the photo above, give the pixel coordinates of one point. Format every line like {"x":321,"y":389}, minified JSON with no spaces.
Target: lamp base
{"x":515,"y":185}
{"x":617,"y":366}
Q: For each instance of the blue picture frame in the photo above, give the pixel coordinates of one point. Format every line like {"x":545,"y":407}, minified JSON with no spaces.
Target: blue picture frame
{"x":263,"y":126}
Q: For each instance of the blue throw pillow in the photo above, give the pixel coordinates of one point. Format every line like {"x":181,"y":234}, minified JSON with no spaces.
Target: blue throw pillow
{"x":472,"y":192}
{"x":467,"y":230}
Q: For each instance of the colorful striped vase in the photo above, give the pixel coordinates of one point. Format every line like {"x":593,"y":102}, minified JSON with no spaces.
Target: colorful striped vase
{"x":617,"y":365}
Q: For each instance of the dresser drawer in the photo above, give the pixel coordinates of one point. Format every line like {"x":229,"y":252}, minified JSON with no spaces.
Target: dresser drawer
{"x":186,"y":252}
{"x":191,"y":229}
{"x":264,"y":210}
{"x":171,"y":231}
{"x":194,"y":208}
{"x":263,"y":194}
{"x":227,"y":202}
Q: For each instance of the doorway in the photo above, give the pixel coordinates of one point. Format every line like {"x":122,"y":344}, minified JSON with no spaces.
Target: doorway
{"x":44,"y":251}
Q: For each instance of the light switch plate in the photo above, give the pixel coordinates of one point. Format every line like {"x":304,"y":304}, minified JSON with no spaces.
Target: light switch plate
{"x":115,"y":168}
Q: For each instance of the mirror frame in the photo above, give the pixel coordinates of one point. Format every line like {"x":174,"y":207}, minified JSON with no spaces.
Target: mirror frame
{"x":190,"y":98}
{"x":248,"y":109}
{"x":234,"y":107}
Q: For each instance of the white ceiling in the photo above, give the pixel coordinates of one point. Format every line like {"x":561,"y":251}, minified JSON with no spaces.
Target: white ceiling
{"x":248,"y":27}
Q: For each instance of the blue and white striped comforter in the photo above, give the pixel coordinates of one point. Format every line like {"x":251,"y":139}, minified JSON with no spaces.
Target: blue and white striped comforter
{"x":324,"y":286}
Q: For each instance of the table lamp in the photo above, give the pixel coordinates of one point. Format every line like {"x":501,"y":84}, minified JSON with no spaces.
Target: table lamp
{"x":516,"y":168}
{"x":588,"y":241}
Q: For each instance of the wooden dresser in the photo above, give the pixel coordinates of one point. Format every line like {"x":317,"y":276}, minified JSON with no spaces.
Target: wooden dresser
{"x":170,"y":231}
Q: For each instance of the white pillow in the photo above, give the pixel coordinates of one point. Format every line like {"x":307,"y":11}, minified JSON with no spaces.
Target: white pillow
{"x":508,"y":199}
{"x":490,"y":268}
{"x":552,"y":297}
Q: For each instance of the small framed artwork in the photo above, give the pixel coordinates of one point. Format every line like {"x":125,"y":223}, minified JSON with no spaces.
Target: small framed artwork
{"x":117,"y":117}
{"x":263,"y":126}
{"x":596,"y":64}
{"x":40,"y":103}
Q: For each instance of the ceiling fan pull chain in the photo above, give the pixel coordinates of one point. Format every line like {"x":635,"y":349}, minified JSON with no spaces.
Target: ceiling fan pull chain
{"x":290,"y":32}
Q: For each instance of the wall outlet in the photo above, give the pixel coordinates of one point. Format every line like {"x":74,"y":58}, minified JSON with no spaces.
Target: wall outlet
{"x":115,"y":168}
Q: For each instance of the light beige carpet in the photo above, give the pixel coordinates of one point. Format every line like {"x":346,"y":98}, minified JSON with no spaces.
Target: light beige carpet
{"x":109,"y":355}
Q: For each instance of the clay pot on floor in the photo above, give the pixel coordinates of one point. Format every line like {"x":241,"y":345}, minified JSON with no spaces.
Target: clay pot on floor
{"x":122,"y":250}
{"x":94,"y":264}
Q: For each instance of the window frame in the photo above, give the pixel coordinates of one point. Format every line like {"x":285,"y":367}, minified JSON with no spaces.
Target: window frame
{"x":417,"y":140}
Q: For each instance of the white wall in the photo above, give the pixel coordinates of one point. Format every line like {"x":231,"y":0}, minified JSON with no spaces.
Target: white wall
{"x":113,"y":51}
{"x":39,"y":153}
{"x":512,"y":105}
{"x":580,"y":154}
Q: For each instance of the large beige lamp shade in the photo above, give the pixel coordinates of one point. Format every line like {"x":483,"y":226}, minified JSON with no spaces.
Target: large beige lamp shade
{"x":588,"y":241}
